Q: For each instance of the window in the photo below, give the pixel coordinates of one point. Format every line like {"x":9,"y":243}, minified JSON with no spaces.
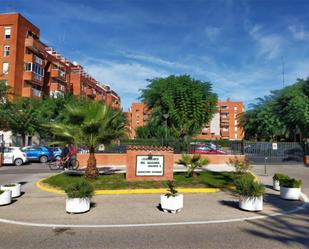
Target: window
{"x":7,"y":33}
{"x":235,"y":109}
{"x":236,"y":136}
{"x":225,"y":129}
{"x":6,"y":50}
{"x":38,"y":71}
{"x":235,"y":122}
{"x":235,"y":129}
{"x":5,"y":67}
{"x":38,"y":60}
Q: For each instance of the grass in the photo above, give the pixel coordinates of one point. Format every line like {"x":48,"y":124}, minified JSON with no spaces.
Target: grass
{"x":118,"y":181}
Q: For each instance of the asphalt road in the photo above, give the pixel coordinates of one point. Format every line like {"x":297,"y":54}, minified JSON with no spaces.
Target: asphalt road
{"x":289,"y":231}
{"x":279,"y":232}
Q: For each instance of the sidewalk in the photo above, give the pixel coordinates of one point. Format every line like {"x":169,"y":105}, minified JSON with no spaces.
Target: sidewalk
{"x":37,"y":206}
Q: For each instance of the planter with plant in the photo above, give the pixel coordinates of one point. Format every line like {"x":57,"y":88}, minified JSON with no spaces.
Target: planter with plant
{"x":250,"y":193}
{"x":171,"y":201}
{"x":276,"y":180}
{"x":5,"y":197}
{"x":79,"y":197}
{"x":290,"y":189}
{"x":14,"y":187}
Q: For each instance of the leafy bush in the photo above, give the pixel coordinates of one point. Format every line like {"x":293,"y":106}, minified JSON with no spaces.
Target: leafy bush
{"x":193,"y":163}
{"x":290,"y":183}
{"x":1,"y":192}
{"x":10,"y":185}
{"x":279,"y":177}
{"x":248,"y":187}
{"x":171,"y":189}
{"x":80,"y":189}
{"x":241,"y":165}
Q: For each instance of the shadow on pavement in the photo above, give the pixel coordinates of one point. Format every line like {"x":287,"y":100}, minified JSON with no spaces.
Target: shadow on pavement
{"x":288,"y":230}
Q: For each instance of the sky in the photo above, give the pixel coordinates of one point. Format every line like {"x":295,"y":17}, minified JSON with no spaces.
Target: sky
{"x":240,"y":46}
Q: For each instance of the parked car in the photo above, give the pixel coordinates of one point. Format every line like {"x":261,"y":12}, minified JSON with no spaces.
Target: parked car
{"x":38,"y":153}
{"x":14,"y":155}
{"x":57,"y":152}
{"x":205,"y":149}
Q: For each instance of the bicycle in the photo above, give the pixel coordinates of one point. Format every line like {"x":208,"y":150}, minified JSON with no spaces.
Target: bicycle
{"x":68,"y":163}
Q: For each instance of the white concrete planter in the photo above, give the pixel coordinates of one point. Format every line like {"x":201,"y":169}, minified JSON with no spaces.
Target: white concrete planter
{"x":6,"y":197}
{"x":77,"y":205}
{"x":251,"y":203}
{"x":290,"y":193}
{"x":173,"y":204}
{"x":276,"y":185}
{"x":16,"y":190}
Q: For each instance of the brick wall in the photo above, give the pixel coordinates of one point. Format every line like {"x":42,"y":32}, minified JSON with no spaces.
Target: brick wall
{"x":121,"y":159}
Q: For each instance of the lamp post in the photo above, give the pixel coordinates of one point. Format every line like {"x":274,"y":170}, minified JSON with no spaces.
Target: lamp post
{"x":166,"y":117}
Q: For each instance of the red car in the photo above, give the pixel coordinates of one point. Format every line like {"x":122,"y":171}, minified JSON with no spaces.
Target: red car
{"x":202,"y":149}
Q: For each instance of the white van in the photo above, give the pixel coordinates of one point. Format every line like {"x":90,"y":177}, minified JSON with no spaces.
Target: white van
{"x":14,"y":155}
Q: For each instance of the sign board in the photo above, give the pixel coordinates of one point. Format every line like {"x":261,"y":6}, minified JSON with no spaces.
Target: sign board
{"x":275,"y":146}
{"x":149,"y":165}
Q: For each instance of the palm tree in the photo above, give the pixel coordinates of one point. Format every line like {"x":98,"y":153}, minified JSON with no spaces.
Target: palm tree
{"x":89,"y":123}
{"x":193,"y":163}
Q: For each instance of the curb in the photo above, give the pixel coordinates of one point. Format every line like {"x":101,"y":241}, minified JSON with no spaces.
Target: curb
{"x":40,"y":185}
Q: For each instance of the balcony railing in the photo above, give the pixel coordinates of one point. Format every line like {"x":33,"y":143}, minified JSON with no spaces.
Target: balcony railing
{"x":31,"y":92}
{"x":90,"y":92}
{"x":33,"y":77}
{"x":56,"y":73}
{"x":34,"y":45}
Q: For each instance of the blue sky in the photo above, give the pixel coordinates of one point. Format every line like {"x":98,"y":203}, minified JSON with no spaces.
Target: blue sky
{"x":237,"y":45}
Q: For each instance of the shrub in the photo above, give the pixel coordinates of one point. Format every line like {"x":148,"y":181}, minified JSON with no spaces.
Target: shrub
{"x":290,"y":183}
{"x":10,"y":185}
{"x":279,"y":177}
{"x":193,"y":163}
{"x":241,"y":166}
{"x":171,"y":189}
{"x":1,"y":192}
{"x":80,"y":189}
{"x":248,"y":187}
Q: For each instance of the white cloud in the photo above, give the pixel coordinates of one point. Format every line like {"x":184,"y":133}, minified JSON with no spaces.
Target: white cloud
{"x":299,"y":33}
{"x":269,"y":45}
{"x":212,"y":32}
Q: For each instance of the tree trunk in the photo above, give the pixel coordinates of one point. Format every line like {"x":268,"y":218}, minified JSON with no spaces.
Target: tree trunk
{"x":91,"y":170}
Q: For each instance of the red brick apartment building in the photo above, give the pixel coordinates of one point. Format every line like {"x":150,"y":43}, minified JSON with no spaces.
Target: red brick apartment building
{"x":32,"y":69}
{"x":224,"y":124}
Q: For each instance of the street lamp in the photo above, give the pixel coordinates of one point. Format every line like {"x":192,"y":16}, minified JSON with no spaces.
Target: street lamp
{"x":166,"y":117}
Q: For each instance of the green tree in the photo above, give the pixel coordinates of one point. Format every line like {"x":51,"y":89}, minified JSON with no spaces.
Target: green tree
{"x":292,"y":107}
{"x":261,"y":122}
{"x":89,"y":124}
{"x":189,"y":104}
{"x":21,"y":117}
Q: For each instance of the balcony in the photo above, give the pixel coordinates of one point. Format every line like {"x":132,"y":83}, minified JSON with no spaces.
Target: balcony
{"x":224,"y":110}
{"x":99,"y":98}
{"x":90,"y":93}
{"x":225,"y":133}
{"x":57,"y":87}
{"x":56,"y":73}
{"x":30,"y":92}
{"x":33,"y":77}
{"x":35,"y":45}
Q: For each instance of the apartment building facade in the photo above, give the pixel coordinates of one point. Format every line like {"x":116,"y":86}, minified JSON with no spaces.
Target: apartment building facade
{"x":32,"y":69}
{"x":224,"y":124}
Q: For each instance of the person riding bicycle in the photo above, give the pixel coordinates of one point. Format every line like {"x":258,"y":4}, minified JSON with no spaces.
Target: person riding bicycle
{"x":72,"y":153}
{"x":65,"y":155}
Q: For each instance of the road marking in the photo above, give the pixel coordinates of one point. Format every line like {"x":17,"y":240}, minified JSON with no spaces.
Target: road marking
{"x":13,"y":222}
